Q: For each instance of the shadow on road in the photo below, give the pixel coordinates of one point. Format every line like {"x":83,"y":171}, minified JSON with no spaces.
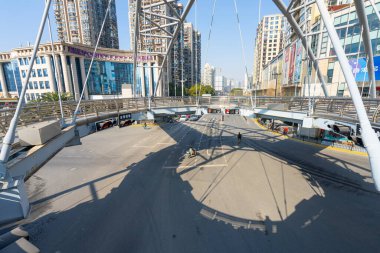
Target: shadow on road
{"x":153,"y":209}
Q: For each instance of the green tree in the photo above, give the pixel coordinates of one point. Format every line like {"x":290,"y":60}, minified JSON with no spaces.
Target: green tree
{"x":201,"y":89}
{"x":52,"y":97}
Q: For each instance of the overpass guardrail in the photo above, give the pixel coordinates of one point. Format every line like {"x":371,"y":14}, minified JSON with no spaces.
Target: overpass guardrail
{"x":337,"y":107}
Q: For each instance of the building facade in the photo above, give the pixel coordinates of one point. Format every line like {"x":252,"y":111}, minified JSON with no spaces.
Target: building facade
{"x":298,"y":77}
{"x":269,"y":42}
{"x":110,"y":70}
{"x":192,"y":55}
{"x":348,"y":28}
{"x":81,"y":22}
{"x":209,"y":75}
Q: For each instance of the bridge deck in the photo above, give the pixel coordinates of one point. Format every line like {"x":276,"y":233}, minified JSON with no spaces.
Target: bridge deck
{"x":130,"y":190}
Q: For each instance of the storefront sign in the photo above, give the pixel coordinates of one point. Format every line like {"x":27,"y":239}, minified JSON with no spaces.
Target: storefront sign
{"x":285,"y":67}
{"x":108,"y":57}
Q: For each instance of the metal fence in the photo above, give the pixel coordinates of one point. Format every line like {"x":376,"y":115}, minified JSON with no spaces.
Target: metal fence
{"x":37,"y":112}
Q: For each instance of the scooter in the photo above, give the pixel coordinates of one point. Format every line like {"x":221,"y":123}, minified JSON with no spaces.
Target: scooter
{"x":191,"y":155}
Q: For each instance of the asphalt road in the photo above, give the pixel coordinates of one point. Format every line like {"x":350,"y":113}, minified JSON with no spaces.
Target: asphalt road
{"x":134,"y":190}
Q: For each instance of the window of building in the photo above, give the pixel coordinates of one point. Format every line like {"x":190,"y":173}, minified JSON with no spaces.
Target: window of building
{"x":30,"y":86}
{"x":35,"y":84}
{"x":33,"y":73}
{"x":21,"y":61}
{"x":42,"y":85}
{"x":43,"y":60}
{"x":45,"y":72}
{"x":26,"y":61}
{"x":39,"y":72}
{"x":47,"y":85}
{"x":330,"y":72}
{"x":32,"y":96}
{"x":38,"y":61}
{"x":23,"y":73}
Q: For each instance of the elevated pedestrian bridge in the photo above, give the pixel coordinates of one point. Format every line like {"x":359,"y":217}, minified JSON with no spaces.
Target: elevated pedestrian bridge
{"x":323,"y":112}
{"x":294,"y":109}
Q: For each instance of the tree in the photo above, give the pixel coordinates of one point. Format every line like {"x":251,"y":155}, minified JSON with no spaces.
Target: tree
{"x":201,"y":89}
{"x":236,"y":92}
{"x":52,"y":97}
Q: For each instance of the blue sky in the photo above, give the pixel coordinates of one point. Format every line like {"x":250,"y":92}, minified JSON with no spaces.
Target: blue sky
{"x":19,"y":26}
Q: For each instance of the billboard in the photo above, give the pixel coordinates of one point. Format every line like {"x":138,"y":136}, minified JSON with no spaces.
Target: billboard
{"x":298,"y":62}
{"x":285,"y":66}
{"x":291,"y":62}
{"x":359,"y":68}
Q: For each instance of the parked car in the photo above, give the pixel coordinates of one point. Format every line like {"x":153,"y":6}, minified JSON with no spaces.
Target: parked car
{"x":193,"y":118}
{"x":183,"y":118}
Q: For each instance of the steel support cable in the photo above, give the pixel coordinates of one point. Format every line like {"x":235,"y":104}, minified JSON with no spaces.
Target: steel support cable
{"x":210,"y":30}
{"x":208,"y":41}
{"x":196,"y":52}
{"x":241,"y":40}
{"x":57,"y":79}
{"x":90,"y":67}
{"x":10,"y":135}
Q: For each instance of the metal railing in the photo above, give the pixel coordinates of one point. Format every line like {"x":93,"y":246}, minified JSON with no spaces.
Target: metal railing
{"x":37,"y":112}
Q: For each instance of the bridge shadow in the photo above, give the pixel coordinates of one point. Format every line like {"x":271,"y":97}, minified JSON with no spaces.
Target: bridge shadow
{"x":153,"y":209}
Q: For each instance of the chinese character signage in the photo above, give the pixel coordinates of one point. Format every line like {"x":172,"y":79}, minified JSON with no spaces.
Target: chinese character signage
{"x":107,"y":57}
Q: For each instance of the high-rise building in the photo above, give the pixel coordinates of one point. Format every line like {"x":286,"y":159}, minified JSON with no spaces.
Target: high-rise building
{"x":220,"y":82}
{"x":269,"y":42}
{"x":247,"y":82}
{"x":192,"y":55}
{"x":81,"y":22}
{"x":209,"y":75}
{"x":156,"y":40}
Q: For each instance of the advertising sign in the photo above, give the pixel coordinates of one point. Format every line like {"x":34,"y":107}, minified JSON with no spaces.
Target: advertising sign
{"x":104,"y":124}
{"x":291,"y":62}
{"x":359,"y":69}
{"x":285,"y":66}
{"x":125,"y":119}
{"x":298,"y":62}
